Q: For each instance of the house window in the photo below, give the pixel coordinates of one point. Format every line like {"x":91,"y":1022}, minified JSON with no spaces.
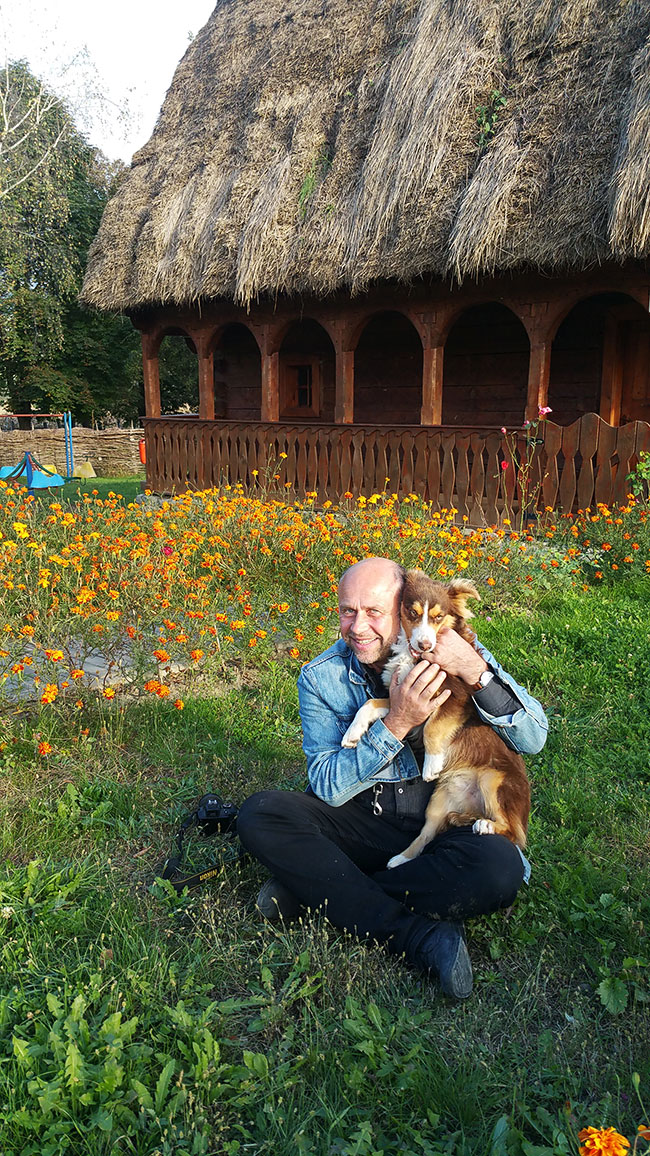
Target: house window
{"x":303,"y":386}
{"x":300,"y":388}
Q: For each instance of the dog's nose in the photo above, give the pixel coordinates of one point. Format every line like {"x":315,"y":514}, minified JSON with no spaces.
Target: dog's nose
{"x":424,"y":645}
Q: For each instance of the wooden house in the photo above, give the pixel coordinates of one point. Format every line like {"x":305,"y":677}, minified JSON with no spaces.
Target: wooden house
{"x":394,"y":224}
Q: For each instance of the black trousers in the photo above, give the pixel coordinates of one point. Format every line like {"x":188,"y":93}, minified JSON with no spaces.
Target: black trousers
{"x":336,"y":857}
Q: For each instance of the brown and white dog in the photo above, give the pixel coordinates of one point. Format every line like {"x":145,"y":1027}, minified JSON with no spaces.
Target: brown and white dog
{"x":481,"y":781}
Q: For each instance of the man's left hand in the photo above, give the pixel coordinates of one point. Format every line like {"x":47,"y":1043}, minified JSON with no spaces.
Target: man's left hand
{"x":455,"y":656}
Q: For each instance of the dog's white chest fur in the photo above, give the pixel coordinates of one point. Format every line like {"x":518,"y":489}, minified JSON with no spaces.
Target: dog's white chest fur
{"x":401,"y":660}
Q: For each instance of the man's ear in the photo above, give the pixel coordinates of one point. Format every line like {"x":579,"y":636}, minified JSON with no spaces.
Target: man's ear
{"x":459,"y":591}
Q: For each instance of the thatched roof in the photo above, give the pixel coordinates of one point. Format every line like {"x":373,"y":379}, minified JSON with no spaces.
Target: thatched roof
{"x":307,"y":146}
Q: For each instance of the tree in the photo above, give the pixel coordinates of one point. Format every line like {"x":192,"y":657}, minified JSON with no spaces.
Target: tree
{"x":53,"y":188}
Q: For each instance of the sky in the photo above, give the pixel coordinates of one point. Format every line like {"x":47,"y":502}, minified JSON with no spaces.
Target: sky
{"x":113,"y":62}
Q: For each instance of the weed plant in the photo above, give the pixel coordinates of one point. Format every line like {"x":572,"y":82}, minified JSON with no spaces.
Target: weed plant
{"x":137,"y":1020}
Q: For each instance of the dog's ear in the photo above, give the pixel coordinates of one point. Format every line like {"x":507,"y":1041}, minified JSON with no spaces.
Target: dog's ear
{"x":459,"y":591}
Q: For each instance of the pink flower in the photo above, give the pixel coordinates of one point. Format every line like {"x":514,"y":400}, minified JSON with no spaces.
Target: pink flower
{"x":544,"y":409}
{"x":503,"y":429}
{"x":504,"y":465}
{"x":167,"y":551}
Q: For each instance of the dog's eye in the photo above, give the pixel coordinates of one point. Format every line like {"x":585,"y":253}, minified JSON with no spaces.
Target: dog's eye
{"x":438,"y":618}
{"x":413,"y":615}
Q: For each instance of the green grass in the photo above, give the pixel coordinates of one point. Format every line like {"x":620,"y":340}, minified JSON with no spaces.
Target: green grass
{"x":134,"y":1020}
{"x":128,"y":486}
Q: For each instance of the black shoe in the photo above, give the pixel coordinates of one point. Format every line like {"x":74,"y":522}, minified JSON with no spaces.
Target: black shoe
{"x":275,"y":902}
{"x":443,"y":953}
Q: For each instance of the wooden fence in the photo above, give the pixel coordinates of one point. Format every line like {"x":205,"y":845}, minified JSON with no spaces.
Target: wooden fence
{"x":483,"y":473}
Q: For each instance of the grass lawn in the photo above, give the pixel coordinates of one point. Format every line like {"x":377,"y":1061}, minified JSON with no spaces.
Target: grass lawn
{"x":127,"y":487}
{"x":135,"y":1020}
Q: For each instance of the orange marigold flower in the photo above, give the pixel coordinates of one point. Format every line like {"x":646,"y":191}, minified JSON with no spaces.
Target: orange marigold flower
{"x":109,"y":692}
{"x":50,"y":692}
{"x":162,"y":691}
{"x":179,"y":704}
{"x":161,"y":655}
{"x":76,"y":673}
{"x":152,"y":685}
{"x":602,"y":1142}
{"x":196,"y":655}
{"x":294,"y":652}
{"x":491,"y":581}
{"x":54,"y":655}
{"x":283,"y":607}
{"x":44,"y":749}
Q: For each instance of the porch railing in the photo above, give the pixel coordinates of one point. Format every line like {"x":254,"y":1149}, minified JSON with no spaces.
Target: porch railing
{"x":562,"y":467}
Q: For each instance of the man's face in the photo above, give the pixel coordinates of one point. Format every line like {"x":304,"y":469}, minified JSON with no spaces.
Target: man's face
{"x":369,"y":612}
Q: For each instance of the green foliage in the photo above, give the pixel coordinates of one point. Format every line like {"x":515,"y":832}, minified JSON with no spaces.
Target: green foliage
{"x":53,"y":188}
{"x":318,"y":170}
{"x":639,"y":479}
{"x":179,"y":375}
{"x":487,"y":116}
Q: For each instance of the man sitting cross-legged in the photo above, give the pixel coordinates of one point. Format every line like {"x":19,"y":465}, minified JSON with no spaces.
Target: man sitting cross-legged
{"x":329,"y":847}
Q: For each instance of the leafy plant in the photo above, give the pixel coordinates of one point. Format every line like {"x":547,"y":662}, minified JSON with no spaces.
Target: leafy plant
{"x":639,"y":479}
{"x":487,"y":116}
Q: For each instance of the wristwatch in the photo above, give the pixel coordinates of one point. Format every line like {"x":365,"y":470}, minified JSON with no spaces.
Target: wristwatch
{"x":484,"y":680}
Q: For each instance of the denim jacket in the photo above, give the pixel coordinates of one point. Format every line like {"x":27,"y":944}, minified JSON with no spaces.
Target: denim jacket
{"x":333,"y":686}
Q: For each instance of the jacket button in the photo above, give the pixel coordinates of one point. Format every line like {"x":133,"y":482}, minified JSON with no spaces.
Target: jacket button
{"x":400,"y":790}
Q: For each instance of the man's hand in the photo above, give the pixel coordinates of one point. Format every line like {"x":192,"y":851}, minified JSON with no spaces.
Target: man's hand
{"x":455,"y":656}
{"x":416,"y":698}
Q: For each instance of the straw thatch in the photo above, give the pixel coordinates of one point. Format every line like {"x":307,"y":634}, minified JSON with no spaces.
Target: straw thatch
{"x":307,"y":146}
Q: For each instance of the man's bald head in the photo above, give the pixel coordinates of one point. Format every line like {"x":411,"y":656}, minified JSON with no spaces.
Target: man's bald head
{"x":369,"y":599}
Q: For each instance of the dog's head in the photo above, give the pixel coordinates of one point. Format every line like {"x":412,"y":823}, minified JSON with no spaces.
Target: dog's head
{"x":428,"y":606}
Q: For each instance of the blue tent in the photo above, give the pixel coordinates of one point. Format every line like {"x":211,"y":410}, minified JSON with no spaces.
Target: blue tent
{"x":31,"y":473}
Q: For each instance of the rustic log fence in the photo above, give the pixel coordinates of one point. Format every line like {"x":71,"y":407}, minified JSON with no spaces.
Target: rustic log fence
{"x":484,"y":474}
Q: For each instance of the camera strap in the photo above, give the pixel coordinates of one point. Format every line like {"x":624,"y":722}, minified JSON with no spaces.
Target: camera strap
{"x":214,"y":817}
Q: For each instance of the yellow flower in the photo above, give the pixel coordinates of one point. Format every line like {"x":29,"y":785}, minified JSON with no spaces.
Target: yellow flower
{"x":109,"y":692}
{"x":602,"y":1142}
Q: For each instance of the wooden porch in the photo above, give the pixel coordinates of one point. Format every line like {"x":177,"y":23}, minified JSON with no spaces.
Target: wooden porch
{"x":475,"y":471}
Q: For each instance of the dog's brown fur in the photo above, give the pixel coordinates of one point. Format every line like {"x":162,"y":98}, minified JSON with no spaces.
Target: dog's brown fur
{"x":480,"y":780}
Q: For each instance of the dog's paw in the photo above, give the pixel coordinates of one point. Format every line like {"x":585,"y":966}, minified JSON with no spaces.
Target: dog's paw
{"x":483,"y":827}
{"x":352,"y":735}
{"x":397,"y":861}
{"x":432,"y":768}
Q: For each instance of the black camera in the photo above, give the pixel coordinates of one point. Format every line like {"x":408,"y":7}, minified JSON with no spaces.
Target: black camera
{"x":214,"y":816}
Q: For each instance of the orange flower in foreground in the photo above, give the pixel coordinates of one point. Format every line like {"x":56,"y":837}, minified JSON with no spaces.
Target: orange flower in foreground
{"x":44,"y":749}
{"x":161,"y":655}
{"x":294,"y":652}
{"x":108,"y":692}
{"x":602,"y":1142}
{"x":179,"y":704}
{"x":50,"y":692}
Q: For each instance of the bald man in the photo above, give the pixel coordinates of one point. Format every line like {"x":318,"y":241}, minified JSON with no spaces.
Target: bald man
{"x":329,"y":847}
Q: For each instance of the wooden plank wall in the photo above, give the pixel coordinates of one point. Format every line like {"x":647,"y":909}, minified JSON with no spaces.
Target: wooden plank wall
{"x":561,"y":467}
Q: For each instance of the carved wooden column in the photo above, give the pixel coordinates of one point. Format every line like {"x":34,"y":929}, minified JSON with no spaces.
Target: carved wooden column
{"x":434,"y":327}
{"x":539,"y":372}
{"x":344,"y":404}
{"x":270,"y":377}
{"x":432,"y":371}
{"x":205,"y":357}
{"x":539,"y":361}
{"x":151,"y":375}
